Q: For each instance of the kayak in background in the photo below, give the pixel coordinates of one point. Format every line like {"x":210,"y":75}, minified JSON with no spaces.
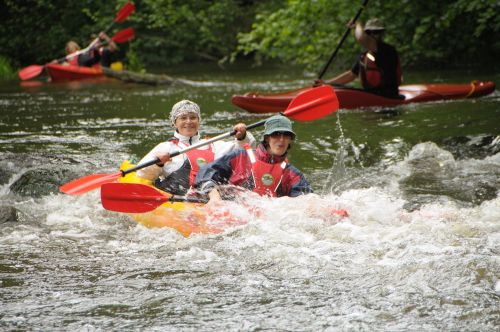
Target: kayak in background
{"x":58,"y":72}
{"x":350,"y":98}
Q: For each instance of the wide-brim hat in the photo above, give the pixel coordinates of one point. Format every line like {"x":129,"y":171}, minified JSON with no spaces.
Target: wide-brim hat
{"x":278,"y":123}
{"x":374,"y":25}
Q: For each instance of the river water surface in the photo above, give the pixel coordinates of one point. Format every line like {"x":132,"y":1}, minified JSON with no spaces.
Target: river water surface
{"x":420,"y":249}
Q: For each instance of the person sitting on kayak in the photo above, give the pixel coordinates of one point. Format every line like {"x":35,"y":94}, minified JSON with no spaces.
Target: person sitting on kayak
{"x":265,"y":170}
{"x":177,"y":175}
{"x":97,"y":54}
{"x":378,"y":68}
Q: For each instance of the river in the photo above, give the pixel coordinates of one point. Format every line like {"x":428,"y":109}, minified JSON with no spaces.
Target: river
{"x":420,"y":249}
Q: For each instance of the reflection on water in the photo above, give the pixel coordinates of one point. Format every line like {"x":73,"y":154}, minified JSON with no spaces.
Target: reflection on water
{"x":418,"y":251}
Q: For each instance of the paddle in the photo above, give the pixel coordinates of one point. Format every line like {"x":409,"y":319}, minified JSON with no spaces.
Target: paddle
{"x":35,"y":70}
{"x":138,"y":198}
{"x":309,"y":105}
{"x":346,"y":33}
{"x":124,"y":12}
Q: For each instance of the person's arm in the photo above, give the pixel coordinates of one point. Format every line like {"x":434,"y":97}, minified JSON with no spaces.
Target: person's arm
{"x":365,"y":39}
{"x":111,"y":44}
{"x":222,"y":148}
{"x":215,"y":173}
{"x":161,"y":151}
{"x":342,"y":79}
{"x":295,"y":183}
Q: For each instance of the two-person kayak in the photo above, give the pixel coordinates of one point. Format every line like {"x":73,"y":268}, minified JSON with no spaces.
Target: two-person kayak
{"x":154,"y":208}
{"x":350,"y":98}
{"x":185,"y":217}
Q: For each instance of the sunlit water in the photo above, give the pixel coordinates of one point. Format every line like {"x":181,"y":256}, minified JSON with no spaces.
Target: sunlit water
{"x":419,"y":250}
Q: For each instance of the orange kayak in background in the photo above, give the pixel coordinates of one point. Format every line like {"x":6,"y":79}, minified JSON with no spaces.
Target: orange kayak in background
{"x":350,"y":98}
{"x":58,"y":72}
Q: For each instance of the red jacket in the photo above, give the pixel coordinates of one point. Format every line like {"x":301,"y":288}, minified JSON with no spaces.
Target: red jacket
{"x":235,"y":168}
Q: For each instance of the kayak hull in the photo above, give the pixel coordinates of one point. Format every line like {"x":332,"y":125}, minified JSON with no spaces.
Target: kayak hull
{"x":196,"y":218}
{"x":58,"y":72}
{"x":355,"y":98}
{"x":186,"y":218}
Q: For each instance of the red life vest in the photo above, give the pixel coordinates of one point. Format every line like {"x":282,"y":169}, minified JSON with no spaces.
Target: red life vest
{"x":371,"y":75}
{"x":72,"y":60}
{"x":197,"y":158}
{"x":267,"y":177}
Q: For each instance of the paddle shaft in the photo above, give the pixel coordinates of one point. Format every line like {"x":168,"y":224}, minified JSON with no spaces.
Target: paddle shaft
{"x":192,"y":147}
{"x":124,"y":12}
{"x":346,"y":33}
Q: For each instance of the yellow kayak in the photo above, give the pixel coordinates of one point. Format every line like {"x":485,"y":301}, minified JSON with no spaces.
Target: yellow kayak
{"x":185,"y":217}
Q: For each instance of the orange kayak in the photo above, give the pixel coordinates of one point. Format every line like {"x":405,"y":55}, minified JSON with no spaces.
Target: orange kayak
{"x":58,"y":72}
{"x":350,"y":98}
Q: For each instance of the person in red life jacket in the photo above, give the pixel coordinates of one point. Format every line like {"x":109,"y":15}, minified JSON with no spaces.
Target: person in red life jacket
{"x":97,"y":54}
{"x":378,"y":68}
{"x":177,"y":175}
{"x":265,"y":170}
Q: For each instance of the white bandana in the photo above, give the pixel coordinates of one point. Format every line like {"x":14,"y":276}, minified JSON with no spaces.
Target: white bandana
{"x":184,"y":107}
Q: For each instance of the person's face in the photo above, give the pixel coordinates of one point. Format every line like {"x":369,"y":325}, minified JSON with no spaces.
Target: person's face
{"x":278,"y":142}
{"x":187,"y":124}
{"x":377,"y":34}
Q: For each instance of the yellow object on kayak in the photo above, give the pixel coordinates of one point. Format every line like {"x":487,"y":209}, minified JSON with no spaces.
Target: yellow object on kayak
{"x":117,"y":66}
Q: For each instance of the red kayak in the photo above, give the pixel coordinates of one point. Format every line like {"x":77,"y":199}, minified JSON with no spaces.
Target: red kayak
{"x":350,"y":98}
{"x":58,"y":72}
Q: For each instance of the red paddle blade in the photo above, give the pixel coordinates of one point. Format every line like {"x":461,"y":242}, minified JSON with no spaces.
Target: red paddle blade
{"x":30,"y":72}
{"x":125,"y":12}
{"x":313,"y":104}
{"x":124,"y":35}
{"x":88,"y":183}
{"x":131,"y":197}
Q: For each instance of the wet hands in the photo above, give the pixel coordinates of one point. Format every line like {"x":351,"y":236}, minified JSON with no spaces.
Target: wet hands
{"x":241,"y":131}
{"x":214,"y":199}
{"x":104,"y":37}
{"x":163,"y":158}
{"x":318,"y":83}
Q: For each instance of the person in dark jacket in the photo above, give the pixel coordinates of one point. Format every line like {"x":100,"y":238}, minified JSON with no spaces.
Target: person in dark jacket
{"x":378,"y":68}
{"x":265,"y":170}
{"x":98,"y":54}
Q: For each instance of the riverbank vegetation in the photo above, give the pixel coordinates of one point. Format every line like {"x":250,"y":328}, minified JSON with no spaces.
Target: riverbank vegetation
{"x":294,"y":32}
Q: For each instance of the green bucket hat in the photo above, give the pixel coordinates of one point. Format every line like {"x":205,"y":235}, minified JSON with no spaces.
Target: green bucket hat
{"x":278,"y":123}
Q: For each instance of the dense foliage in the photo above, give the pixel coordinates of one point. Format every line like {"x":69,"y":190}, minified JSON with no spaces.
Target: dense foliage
{"x":293,"y":32}
{"x":448,"y":32}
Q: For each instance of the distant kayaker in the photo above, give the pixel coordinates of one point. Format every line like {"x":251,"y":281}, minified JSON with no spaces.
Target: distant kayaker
{"x":378,"y":68}
{"x":97,"y":54}
{"x":265,"y":170}
{"x":177,"y":175}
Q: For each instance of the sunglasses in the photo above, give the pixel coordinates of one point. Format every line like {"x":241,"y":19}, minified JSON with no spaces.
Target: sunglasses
{"x":280,"y":133}
{"x":374,"y":32}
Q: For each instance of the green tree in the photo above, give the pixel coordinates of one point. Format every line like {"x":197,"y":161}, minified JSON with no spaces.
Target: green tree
{"x":425,"y":32}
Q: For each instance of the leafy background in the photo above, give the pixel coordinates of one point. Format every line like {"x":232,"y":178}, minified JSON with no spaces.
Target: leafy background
{"x":293,"y":32}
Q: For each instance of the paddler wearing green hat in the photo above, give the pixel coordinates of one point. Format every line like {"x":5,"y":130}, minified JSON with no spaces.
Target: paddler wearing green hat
{"x":265,"y":170}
